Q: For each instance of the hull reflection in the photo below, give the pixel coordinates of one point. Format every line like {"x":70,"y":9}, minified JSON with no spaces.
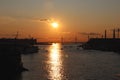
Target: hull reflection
{"x":55,"y":63}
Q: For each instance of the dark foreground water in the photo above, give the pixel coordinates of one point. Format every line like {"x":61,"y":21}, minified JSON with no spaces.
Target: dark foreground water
{"x":67,"y":62}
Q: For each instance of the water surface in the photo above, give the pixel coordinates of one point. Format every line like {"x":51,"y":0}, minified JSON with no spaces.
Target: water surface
{"x":68,"y":62}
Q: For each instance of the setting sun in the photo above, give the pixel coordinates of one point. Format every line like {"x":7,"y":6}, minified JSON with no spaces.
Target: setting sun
{"x":54,"y":24}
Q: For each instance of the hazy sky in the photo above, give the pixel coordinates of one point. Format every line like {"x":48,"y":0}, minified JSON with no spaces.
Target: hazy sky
{"x":73,"y":16}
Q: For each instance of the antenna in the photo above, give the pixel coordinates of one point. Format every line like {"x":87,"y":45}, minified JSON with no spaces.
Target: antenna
{"x":61,"y":39}
{"x":118,"y":31}
{"x":76,"y":39}
{"x":105,"y":34}
{"x":16,"y":36}
{"x":114,"y":33}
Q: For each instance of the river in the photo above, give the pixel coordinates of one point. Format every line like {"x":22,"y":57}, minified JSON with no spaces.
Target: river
{"x":68,"y":62}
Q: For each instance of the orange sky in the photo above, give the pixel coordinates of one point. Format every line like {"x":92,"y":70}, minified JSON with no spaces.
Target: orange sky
{"x":73,"y":16}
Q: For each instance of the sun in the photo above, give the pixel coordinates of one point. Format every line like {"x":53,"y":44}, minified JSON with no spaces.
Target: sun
{"x":54,"y":24}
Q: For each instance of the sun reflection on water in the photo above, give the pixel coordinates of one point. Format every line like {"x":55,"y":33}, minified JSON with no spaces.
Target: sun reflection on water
{"x":55,"y":62}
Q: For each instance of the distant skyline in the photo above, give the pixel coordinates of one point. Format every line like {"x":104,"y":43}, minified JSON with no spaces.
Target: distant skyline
{"x":74,"y":16}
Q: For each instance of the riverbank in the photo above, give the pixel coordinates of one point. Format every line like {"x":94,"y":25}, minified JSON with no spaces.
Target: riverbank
{"x":104,"y":44}
{"x":10,"y":56}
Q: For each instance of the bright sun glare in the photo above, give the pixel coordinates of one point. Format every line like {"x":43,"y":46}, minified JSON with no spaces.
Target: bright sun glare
{"x":54,"y":24}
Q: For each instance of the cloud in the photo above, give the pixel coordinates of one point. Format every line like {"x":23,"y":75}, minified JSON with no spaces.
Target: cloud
{"x":6,"y":19}
{"x":43,"y":19}
{"x":91,"y":33}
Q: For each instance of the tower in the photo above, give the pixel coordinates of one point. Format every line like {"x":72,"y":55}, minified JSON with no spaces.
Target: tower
{"x":105,"y":34}
{"x":114,"y":36}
